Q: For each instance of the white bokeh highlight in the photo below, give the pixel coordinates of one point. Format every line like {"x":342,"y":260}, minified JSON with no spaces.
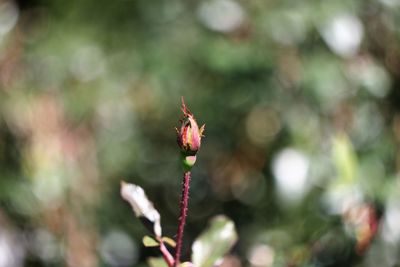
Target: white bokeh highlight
{"x":343,"y":34}
{"x":290,"y":169}
{"x":391,"y":221}
{"x":8,"y":17}
{"x":12,"y":252}
{"x":221,"y":15}
{"x":261,"y":255}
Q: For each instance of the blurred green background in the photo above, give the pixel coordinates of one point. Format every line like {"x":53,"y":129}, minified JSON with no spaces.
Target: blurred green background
{"x":301,"y":105}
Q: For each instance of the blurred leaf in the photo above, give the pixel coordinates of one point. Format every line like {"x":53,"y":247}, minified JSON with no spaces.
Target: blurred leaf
{"x":345,"y":159}
{"x":149,"y":241}
{"x":156,"y":262}
{"x":169,"y":241}
{"x":186,"y":264}
{"x":214,"y":242}
{"x":141,"y":205}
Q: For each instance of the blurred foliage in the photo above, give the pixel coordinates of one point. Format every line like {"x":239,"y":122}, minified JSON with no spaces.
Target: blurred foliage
{"x":301,"y":105}
{"x":212,"y":245}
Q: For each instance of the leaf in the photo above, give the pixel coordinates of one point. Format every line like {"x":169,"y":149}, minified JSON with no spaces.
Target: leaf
{"x":169,"y":241}
{"x":141,"y":205}
{"x":214,"y":242}
{"x":156,"y":262}
{"x":149,"y":241}
{"x":345,"y":160}
{"x":186,"y":264}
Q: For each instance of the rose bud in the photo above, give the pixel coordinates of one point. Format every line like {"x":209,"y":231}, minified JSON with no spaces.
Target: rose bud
{"x":189,"y":136}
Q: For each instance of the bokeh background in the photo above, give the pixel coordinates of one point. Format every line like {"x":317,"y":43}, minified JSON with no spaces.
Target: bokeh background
{"x":301,"y":104}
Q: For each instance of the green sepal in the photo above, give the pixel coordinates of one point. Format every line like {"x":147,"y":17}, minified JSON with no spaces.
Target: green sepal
{"x":188,"y":162}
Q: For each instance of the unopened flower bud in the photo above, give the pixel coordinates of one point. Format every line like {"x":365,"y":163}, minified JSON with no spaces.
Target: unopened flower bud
{"x":189,"y":135}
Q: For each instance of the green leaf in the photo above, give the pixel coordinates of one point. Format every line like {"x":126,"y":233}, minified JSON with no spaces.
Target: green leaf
{"x":149,"y":241}
{"x":169,"y":241}
{"x":345,"y":160}
{"x":156,"y":262}
{"x":214,"y":242}
{"x":186,"y":264}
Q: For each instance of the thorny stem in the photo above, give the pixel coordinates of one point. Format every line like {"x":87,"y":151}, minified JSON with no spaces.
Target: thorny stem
{"x":166,"y":255}
{"x":182,"y":216}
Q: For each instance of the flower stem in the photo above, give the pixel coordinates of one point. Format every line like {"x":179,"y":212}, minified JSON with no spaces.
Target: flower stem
{"x":166,"y":255}
{"x":182,"y":216}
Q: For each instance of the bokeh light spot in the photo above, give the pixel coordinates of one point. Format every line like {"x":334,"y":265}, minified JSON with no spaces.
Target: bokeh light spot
{"x":118,"y":249}
{"x":221,"y":15}
{"x":343,"y":34}
{"x":290,"y":169}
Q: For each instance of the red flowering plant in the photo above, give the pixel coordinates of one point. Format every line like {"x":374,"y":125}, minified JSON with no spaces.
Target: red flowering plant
{"x":210,"y":247}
